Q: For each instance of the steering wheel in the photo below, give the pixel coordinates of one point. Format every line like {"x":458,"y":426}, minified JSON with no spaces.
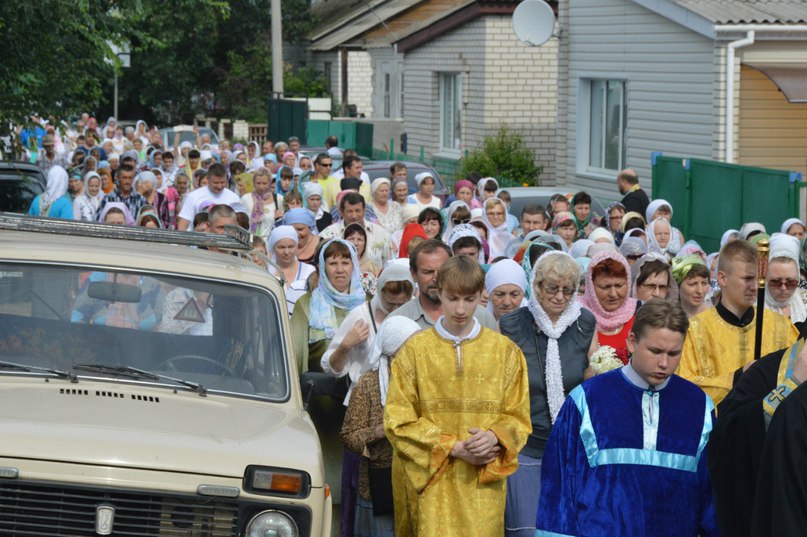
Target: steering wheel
{"x":170,"y":363}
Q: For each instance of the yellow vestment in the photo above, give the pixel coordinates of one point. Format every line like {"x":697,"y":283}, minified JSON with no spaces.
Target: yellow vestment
{"x":714,"y":349}
{"x":437,"y":392}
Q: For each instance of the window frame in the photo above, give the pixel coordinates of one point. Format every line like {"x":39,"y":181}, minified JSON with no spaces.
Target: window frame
{"x":456,"y":77}
{"x":586,"y":85}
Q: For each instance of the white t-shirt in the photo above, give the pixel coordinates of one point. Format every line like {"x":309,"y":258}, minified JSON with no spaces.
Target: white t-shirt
{"x":195,"y":199}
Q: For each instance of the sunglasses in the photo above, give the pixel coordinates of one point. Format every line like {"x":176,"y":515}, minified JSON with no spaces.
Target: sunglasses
{"x":458,"y":221}
{"x":779,"y":283}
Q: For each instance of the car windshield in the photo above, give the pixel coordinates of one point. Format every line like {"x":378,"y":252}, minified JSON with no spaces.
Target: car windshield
{"x":214,"y":337}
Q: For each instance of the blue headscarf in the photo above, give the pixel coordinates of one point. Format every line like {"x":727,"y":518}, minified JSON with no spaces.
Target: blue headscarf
{"x":324,"y":298}
{"x":278,"y":188}
{"x":298,"y":215}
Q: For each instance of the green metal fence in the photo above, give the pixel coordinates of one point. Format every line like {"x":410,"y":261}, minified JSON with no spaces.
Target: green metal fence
{"x":710,"y":197}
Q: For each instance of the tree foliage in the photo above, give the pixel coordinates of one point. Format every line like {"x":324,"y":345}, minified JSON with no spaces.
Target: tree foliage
{"x":505,"y":156}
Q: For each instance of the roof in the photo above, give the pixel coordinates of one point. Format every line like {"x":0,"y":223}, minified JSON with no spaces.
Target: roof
{"x":365,"y":17}
{"x":748,"y":11}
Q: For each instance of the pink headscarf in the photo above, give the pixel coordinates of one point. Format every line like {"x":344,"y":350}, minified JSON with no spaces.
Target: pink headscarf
{"x":608,"y":320}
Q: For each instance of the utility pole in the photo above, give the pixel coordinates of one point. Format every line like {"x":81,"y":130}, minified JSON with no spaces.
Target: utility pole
{"x":277,"y":50}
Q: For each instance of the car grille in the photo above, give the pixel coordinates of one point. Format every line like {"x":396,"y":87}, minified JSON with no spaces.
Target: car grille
{"x":45,"y":510}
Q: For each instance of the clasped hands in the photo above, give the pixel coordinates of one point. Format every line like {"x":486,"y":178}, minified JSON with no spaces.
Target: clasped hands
{"x":482,"y":448}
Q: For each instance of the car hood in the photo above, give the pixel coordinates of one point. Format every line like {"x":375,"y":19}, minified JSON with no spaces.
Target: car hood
{"x":136,"y":426}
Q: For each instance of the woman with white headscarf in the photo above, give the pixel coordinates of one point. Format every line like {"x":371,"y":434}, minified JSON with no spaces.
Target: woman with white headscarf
{"x":494,"y":215}
{"x":660,"y":208}
{"x":424,"y":197}
{"x":282,"y":250}
{"x":53,"y":202}
{"x":556,"y":336}
{"x":86,"y":204}
{"x":387,"y":213}
{"x":451,"y":211}
{"x":506,"y":285}
{"x":146,"y":185}
{"x":347,"y":352}
{"x":782,"y":292}
{"x":795,"y":227}
{"x":662,"y":238}
{"x":363,"y":430}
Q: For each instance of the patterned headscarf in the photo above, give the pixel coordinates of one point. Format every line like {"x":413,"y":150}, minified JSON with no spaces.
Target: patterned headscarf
{"x":608,"y":320}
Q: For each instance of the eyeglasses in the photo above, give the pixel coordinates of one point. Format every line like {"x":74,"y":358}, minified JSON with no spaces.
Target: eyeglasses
{"x":458,"y":221}
{"x":656,"y":287}
{"x":552,"y":290}
{"x":779,"y":283}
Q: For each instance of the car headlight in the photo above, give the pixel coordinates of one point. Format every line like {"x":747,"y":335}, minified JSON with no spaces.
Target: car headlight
{"x":272,"y":524}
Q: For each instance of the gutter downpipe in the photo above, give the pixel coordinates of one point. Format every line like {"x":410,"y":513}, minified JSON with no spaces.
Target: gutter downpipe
{"x":744,"y":42}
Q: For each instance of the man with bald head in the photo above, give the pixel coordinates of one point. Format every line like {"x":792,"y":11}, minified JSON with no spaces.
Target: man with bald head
{"x":635,"y":198}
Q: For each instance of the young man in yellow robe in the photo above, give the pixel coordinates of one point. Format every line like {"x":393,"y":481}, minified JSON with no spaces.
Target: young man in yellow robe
{"x":457,"y":415}
{"x":721,"y":339}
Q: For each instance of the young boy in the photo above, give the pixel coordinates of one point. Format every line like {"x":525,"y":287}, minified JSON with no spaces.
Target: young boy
{"x":457,"y":415}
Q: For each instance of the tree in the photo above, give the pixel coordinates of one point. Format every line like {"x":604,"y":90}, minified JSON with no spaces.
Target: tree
{"x":55,"y":57}
{"x":503,"y":155}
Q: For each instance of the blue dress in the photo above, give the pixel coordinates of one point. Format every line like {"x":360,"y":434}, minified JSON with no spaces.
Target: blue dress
{"x":623,"y":460}
{"x":61,"y":208}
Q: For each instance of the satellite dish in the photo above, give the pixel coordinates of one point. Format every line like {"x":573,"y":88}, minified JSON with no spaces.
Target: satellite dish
{"x":533,"y":22}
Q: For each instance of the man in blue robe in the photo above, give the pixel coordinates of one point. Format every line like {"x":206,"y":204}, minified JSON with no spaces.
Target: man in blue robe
{"x":627,"y":453}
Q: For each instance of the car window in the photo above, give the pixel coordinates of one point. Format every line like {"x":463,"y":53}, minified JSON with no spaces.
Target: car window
{"x":225,"y":337}
{"x":17,"y":191}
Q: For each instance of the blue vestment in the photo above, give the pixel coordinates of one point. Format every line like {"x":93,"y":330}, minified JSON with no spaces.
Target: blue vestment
{"x":627,"y":459}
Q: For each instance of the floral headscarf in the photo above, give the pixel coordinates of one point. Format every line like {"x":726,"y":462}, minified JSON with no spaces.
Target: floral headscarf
{"x":608,"y":320}
{"x":325,"y":298}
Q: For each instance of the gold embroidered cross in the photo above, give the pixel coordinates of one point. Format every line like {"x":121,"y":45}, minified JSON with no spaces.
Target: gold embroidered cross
{"x":480,"y":379}
{"x":778,"y":394}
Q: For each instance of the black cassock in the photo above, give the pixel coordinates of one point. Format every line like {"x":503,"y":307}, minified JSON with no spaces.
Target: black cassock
{"x":757,"y":493}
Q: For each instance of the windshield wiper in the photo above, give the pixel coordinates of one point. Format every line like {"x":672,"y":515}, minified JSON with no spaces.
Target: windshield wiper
{"x":134,"y":373}
{"x":53,"y":371}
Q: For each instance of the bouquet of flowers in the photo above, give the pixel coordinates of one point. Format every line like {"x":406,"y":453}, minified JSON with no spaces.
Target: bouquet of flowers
{"x":604,"y":360}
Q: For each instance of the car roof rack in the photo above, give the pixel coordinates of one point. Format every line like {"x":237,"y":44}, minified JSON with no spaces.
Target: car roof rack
{"x":235,"y":238}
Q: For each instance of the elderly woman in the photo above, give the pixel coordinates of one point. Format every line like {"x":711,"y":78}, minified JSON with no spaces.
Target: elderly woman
{"x":494,"y":215}
{"x":692,"y":276}
{"x":146,"y":185}
{"x":662,"y":238}
{"x":556,"y":336}
{"x":86,"y":204}
{"x":53,"y":202}
{"x":363,"y":431}
{"x":387,"y":213}
{"x":425,"y":197}
{"x":506,"y":285}
{"x":282,"y":249}
{"x":306,"y":228}
{"x":660,"y":208}
{"x":782,"y":292}
{"x":608,"y":298}
{"x":652,"y":278}
{"x":614,"y":212}
{"x":400,"y":192}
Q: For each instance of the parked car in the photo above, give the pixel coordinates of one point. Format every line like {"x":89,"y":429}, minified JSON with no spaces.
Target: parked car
{"x":148,"y":387}
{"x":186,"y":134}
{"x":522,"y":196}
{"x":20,"y":183}
{"x":312,"y":151}
{"x":380,"y":168}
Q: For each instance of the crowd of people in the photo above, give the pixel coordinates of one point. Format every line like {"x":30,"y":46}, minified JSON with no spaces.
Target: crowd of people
{"x":475,"y":372}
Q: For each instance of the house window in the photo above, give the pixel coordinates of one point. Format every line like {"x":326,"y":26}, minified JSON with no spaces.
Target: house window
{"x":450,"y":106}
{"x":607,"y":121}
{"x":327,"y":69}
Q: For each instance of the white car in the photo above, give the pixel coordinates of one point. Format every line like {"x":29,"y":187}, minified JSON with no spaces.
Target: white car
{"x":148,"y":387}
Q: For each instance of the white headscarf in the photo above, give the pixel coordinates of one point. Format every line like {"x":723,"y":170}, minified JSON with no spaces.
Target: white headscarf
{"x":505,"y":272}
{"x":601,"y":233}
{"x":580,"y":248}
{"x":751,"y":227}
{"x":311,"y":189}
{"x":785,"y":246}
{"x":391,"y":336}
{"x":419,"y":178}
{"x":654,"y":246}
{"x":278,"y":233}
{"x":498,"y":237}
{"x":654,"y":206}
{"x":394,"y":272}
{"x":377,"y":183}
{"x":456,"y":204}
{"x":553,"y":331}
{"x":56,"y":188}
{"x":790,"y":222}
